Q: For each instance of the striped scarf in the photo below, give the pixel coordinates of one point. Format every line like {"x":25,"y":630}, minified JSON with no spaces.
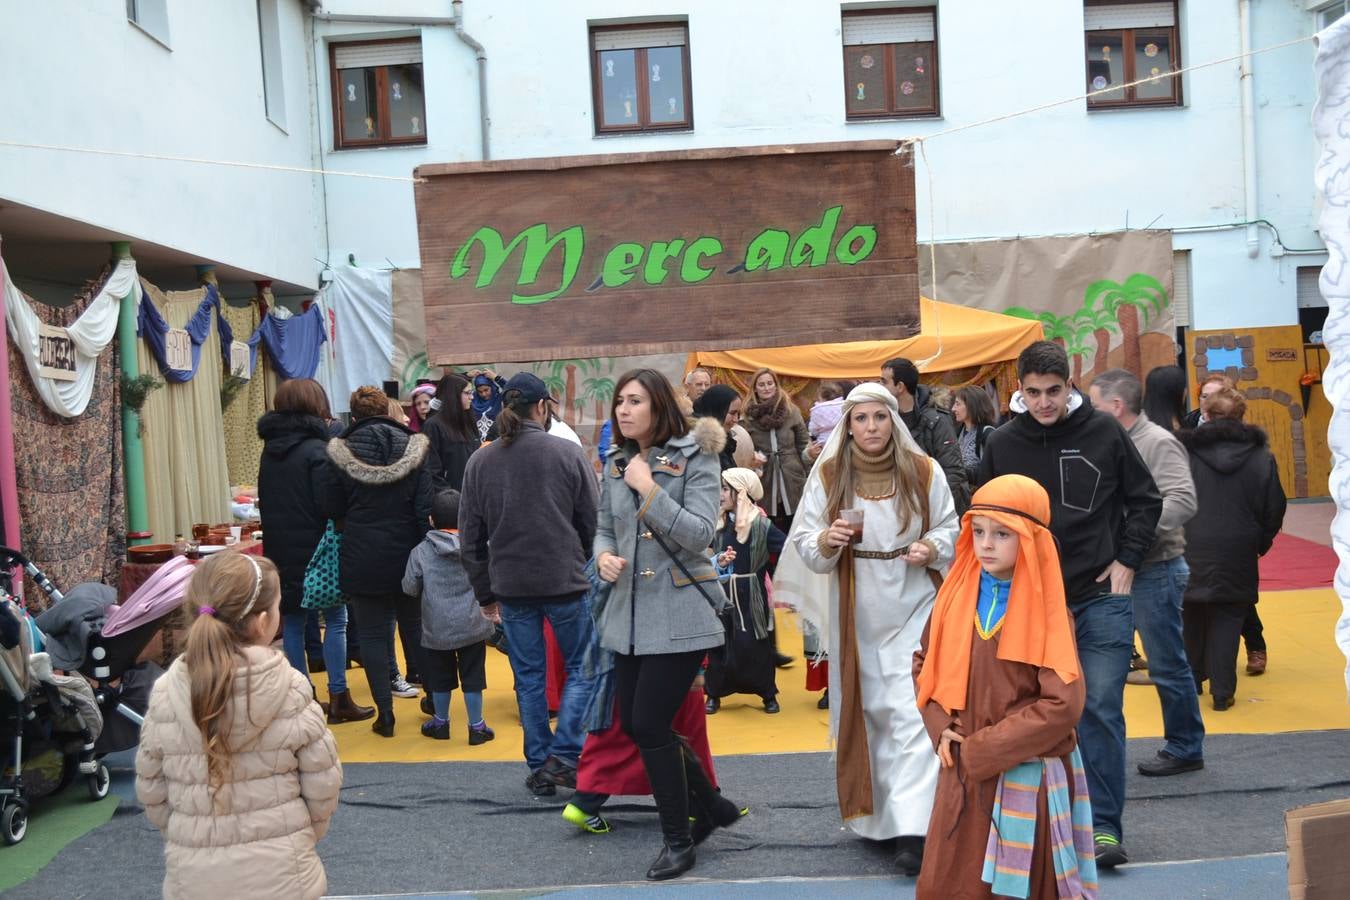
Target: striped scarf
{"x":1012,"y":831}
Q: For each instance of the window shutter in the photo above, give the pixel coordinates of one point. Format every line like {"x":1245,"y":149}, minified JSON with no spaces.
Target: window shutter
{"x":1129,"y":15}
{"x":1181,"y":287}
{"x":893,"y":28}
{"x":1309,"y":295}
{"x":639,"y":38}
{"x":363,"y":56}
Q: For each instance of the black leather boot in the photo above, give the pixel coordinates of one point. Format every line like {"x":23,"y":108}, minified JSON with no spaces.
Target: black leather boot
{"x":665,"y":771}
{"x":384,"y":723}
{"x":707,"y":805}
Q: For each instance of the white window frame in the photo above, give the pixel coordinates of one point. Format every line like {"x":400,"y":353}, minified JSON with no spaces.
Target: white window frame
{"x":273,"y":73}
{"x":152,"y":18}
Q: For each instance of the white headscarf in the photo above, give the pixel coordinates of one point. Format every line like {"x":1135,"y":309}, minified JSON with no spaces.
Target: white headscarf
{"x":747,"y":488}
{"x":839,"y":437}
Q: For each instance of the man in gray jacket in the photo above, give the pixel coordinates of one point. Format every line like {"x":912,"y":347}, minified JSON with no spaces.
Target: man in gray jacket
{"x":1161,"y":580}
{"x":527,"y":521}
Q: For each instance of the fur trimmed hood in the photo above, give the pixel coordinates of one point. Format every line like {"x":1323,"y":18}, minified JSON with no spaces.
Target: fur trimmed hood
{"x":1223,"y":444}
{"x":378,"y":452}
{"x":706,"y":435}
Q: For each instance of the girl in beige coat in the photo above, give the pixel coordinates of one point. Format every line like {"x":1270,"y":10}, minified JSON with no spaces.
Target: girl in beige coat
{"x":236,"y":765}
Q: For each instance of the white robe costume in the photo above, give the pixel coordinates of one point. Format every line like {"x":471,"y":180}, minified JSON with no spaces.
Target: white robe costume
{"x":892,"y":603}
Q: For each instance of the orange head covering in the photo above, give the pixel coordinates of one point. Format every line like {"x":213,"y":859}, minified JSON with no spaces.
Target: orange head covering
{"x":1036,"y":627}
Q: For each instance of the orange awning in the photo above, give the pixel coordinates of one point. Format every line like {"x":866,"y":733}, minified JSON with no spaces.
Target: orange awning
{"x":966,"y":337}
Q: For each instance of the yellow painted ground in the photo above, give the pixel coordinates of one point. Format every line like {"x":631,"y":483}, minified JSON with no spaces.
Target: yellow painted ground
{"x":1304,"y":689}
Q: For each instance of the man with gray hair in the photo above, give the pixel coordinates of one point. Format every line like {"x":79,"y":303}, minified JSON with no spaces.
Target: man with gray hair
{"x":1161,"y":580}
{"x":696,"y":383}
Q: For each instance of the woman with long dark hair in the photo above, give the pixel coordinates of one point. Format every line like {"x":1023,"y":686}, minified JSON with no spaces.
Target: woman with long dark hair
{"x":659,"y":505}
{"x":974,"y":414}
{"x":451,"y":431}
{"x":1165,"y":397}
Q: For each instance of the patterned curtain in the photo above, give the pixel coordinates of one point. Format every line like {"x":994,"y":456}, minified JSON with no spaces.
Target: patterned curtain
{"x":242,"y":446}
{"x":69,"y":471}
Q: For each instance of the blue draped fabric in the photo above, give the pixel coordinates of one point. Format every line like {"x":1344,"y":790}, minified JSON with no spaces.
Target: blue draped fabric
{"x":292,"y":343}
{"x":151,"y":326}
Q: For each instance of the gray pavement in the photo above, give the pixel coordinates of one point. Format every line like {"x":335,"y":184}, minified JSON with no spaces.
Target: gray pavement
{"x":432,"y":829}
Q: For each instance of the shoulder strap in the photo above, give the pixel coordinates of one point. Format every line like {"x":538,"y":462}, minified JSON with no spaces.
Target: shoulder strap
{"x":684,"y":570}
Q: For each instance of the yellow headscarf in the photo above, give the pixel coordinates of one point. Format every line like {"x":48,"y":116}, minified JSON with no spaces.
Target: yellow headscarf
{"x":1036,"y":627}
{"x":747,"y":488}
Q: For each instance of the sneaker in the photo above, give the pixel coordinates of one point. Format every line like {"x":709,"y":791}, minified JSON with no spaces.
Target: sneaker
{"x":1167,"y":764}
{"x":1110,"y":851}
{"x":480,"y":734}
{"x":590,"y":824}
{"x":400,"y":688}
{"x":559,"y":773}
{"x":539,"y":785}
{"x":1138,"y":676}
{"x":436,"y":729}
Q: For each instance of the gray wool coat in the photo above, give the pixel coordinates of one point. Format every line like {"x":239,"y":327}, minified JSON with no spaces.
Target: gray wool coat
{"x":653,"y":607}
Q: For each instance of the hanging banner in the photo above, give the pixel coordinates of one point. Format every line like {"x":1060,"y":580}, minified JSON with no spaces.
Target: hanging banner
{"x":56,"y":353}
{"x":240,"y":360}
{"x":719,"y":248}
{"x":178,"y":349}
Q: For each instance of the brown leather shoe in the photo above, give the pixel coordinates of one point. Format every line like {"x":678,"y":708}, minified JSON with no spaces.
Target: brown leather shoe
{"x":342,"y":708}
{"x":1256,"y":662}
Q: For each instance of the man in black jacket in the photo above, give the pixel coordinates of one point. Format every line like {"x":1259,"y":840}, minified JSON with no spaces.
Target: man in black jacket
{"x":931,"y":428}
{"x":527,"y":521}
{"x":1104,"y":512}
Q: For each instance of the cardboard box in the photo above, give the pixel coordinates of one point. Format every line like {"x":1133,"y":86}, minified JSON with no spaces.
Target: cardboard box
{"x":1317,"y":835}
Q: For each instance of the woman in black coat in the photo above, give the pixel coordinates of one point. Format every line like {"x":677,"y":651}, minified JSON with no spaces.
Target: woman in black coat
{"x":293,"y":479}
{"x":1241,"y":509}
{"x":451,"y":431}
{"x":384,"y":497}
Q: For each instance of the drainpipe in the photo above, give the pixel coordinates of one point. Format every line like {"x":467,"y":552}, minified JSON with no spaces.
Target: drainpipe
{"x":481,"y":56}
{"x":1248,"y":128}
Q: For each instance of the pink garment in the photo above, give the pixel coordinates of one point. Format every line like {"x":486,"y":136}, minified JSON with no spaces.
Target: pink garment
{"x":415,"y":420}
{"x":824,"y":416}
{"x":162,"y":593}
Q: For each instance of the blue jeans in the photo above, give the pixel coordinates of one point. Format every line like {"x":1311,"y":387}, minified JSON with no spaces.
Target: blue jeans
{"x":1157,"y":616}
{"x":1104,"y":627}
{"x":334,"y":644}
{"x":524,"y":627}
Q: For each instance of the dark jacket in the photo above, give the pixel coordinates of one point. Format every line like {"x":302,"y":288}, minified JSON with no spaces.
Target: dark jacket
{"x":527,"y":519}
{"x":1237,"y":487}
{"x":934,"y":431}
{"x":451,"y":616}
{"x":1191,"y":419}
{"x":448,"y":454}
{"x":294,"y":484}
{"x":1104,"y":506}
{"x":384,"y":496}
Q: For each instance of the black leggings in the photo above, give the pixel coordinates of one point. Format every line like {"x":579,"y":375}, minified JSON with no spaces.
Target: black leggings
{"x":373,"y":615}
{"x":651,"y":690}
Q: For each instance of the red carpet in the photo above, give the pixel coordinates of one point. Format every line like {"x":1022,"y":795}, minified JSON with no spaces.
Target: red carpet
{"x":1295,"y":564}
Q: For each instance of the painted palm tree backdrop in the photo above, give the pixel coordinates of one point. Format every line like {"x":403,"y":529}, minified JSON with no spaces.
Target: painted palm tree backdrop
{"x":1113,"y":312}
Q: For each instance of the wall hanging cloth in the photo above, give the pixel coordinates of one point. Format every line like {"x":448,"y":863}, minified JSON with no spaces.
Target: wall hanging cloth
{"x":186,"y":475}
{"x":243,"y":448}
{"x":90,"y":334}
{"x":68,"y":469}
{"x":360,"y":306}
{"x":152,"y":327}
{"x":293,"y":344}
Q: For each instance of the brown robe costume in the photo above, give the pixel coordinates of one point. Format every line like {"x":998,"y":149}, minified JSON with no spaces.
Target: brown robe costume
{"x":1013,"y":713}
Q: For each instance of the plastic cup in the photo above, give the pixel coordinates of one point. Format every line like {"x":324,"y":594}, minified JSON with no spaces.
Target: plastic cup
{"x":854,"y":518}
{"x":236,"y":531}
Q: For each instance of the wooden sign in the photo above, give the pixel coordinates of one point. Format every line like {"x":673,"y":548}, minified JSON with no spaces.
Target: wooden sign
{"x":56,"y":353}
{"x":632,"y":254}
{"x":1281,"y":354}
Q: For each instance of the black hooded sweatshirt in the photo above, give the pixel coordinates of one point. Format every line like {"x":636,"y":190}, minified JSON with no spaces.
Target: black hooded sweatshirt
{"x":1241,"y":509}
{"x":1104,"y":506}
{"x":294,"y":482}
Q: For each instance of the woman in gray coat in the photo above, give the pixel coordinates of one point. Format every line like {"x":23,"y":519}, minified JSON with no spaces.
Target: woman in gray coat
{"x":658,"y":513}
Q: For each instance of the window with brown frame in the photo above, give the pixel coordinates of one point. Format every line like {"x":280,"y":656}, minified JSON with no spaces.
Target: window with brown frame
{"x":890,"y":63}
{"x":1128,"y":42}
{"x":378,"y":98}
{"x":640,"y":78}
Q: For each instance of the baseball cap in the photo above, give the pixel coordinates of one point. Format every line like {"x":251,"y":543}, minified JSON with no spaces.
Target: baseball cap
{"x":532,"y":389}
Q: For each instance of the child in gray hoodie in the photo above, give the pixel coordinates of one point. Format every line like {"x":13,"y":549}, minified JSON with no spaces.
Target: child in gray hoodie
{"x":454,"y":627}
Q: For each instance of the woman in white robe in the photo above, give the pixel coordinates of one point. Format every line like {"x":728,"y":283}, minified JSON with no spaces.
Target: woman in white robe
{"x":873,"y":603}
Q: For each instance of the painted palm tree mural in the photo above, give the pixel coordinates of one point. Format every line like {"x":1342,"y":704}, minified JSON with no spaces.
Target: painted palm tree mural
{"x":1109,"y":307}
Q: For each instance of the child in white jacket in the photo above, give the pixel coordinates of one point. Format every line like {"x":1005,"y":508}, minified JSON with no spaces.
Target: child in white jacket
{"x":236,"y":765}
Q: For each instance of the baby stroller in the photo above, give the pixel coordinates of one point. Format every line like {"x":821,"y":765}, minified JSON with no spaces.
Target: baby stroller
{"x":55,"y":728}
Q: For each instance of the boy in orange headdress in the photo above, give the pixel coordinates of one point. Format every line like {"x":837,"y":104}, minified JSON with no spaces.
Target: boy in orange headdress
{"x":998,"y":682}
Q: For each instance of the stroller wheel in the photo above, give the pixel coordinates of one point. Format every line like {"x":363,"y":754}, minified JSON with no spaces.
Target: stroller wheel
{"x":14,"y":823}
{"x":99,"y":783}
